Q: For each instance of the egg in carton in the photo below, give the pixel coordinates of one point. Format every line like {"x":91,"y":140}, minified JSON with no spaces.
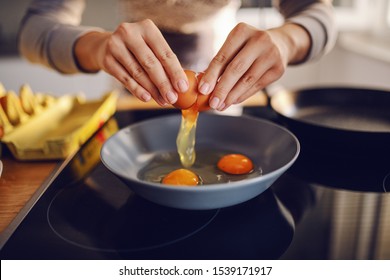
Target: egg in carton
{"x":38,"y":126}
{"x":16,"y":110}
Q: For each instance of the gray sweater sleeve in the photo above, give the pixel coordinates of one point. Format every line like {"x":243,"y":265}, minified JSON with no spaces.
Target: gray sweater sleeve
{"x":317,"y":18}
{"x":48,"y":32}
{"x":50,"y":29}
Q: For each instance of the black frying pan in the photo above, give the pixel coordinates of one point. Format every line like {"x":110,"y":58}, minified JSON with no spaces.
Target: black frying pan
{"x":348,"y":120}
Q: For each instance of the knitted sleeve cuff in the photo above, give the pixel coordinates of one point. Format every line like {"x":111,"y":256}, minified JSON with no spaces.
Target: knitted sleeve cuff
{"x":319,"y":23}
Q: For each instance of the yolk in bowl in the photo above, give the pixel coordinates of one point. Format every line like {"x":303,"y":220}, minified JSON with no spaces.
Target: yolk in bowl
{"x":235,"y":164}
{"x":183,"y":177}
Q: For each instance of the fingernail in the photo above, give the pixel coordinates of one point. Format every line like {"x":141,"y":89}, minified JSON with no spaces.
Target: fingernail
{"x":183,"y":85}
{"x":146,"y":97}
{"x":222,"y":107}
{"x":204,"y":88}
{"x":214,"y":102}
{"x":162,"y":101}
{"x":171,"y":97}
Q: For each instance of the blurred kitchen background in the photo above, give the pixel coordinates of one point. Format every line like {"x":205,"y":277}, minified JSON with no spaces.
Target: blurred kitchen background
{"x":361,"y":57}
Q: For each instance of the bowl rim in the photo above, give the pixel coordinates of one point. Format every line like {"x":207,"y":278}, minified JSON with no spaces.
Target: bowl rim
{"x":207,"y":187}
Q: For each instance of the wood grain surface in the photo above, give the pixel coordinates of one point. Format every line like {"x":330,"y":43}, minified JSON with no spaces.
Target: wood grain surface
{"x":18,"y":182}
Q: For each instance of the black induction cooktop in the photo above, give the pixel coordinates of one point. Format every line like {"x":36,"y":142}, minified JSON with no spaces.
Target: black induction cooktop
{"x":326,"y":206}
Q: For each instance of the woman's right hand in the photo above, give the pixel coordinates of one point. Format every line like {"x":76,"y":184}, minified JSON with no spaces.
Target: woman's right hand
{"x":138,"y":56}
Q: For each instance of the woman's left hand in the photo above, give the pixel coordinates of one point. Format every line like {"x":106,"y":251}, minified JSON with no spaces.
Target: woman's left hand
{"x":251,"y":59}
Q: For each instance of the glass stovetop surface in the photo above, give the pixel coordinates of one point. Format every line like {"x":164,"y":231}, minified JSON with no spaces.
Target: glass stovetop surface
{"x":326,"y":206}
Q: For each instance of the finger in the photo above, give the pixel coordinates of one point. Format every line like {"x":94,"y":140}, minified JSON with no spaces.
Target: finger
{"x":237,"y":79}
{"x":123,"y":76}
{"x":130,"y":64}
{"x":117,"y":71}
{"x":154,"y":69}
{"x":232,"y":75}
{"x":269,"y":77}
{"x":147,"y":58}
{"x":252,"y":91}
{"x":157,"y":43}
{"x":250,"y":79}
{"x":233,"y":44}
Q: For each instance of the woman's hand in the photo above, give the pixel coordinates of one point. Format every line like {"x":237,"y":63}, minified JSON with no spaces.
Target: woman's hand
{"x":249,"y":60}
{"x":138,"y":56}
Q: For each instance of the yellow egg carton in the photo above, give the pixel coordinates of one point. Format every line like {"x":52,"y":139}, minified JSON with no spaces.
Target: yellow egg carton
{"x":38,"y":126}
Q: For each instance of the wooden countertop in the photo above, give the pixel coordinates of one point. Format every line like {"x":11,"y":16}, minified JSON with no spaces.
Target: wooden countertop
{"x":20,"y":180}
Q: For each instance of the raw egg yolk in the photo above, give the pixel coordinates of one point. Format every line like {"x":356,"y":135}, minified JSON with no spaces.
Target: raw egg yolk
{"x":192,"y":97}
{"x":183,"y":177}
{"x":236,"y":164}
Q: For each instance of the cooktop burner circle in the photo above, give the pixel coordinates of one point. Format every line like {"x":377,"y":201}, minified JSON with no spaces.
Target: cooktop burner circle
{"x":80,"y":217}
